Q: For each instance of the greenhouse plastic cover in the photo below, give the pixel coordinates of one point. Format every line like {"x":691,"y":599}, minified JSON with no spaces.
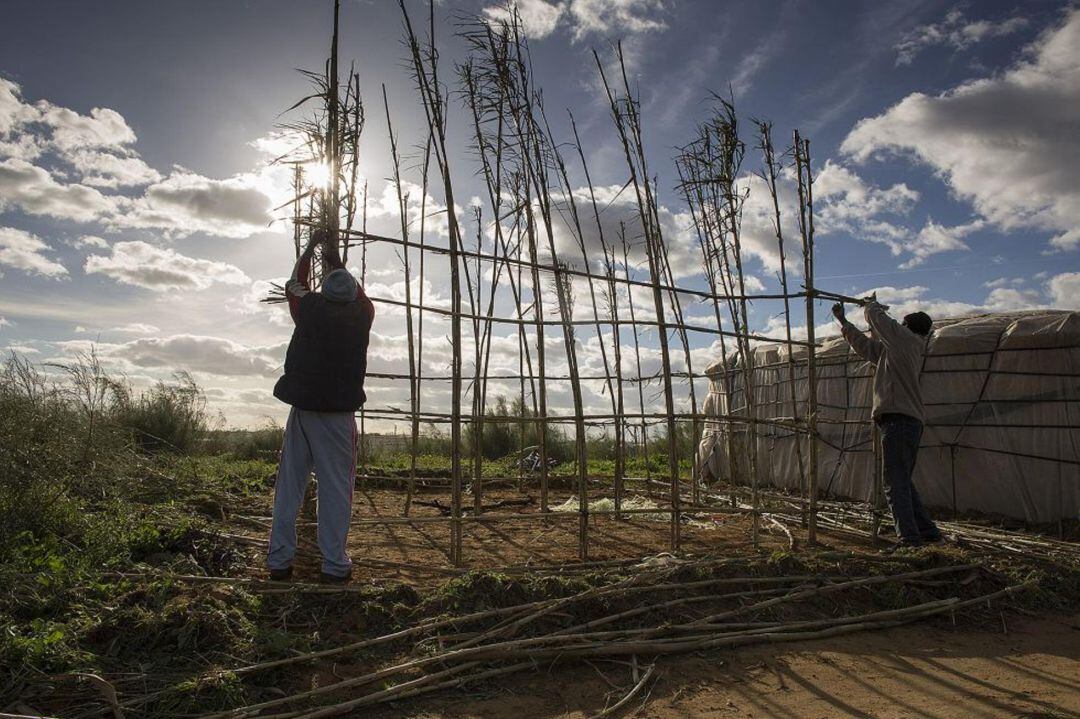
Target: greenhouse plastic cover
{"x":1002,"y":435}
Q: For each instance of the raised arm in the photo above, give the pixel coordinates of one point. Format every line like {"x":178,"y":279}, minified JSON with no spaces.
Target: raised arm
{"x":332,"y":256}
{"x":866,"y":347}
{"x":299,"y":282}
{"x":885,"y":327}
{"x":333,"y":260}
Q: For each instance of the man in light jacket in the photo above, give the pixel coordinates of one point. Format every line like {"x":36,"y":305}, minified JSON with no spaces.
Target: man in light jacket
{"x":324,"y":382}
{"x":896,"y":350}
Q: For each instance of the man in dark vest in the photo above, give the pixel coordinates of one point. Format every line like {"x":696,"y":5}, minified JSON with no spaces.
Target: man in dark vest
{"x":324,"y":382}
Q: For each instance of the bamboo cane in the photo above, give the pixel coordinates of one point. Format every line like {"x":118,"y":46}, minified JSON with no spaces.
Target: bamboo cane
{"x":414,"y":389}
{"x":425,"y":72}
{"x":771,"y":173}
{"x":643,"y":444}
{"x":806,"y":226}
{"x":628,"y":126}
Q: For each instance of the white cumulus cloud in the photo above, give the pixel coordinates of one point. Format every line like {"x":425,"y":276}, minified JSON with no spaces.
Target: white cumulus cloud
{"x":186,"y":202}
{"x":161,"y":269}
{"x":55,"y":161}
{"x":106,"y":169}
{"x":22,"y":250}
{"x":1065,"y":290}
{"x":34,"y":191}
{"x":88,"y":241}
{"x":606,"y":17}
{"x":137,"y":328}
{"x":192,"y":353}
{"x":539,"y":18}
{"x":955,"y":31}
{"x":70,"y":130}
{"x":210,"y":355}
{"x":96,"y":146}
{"x":1009,"y":144}
{"x":850,"y":204}
{"x":934,"y":238}
{"x":903,"y":300}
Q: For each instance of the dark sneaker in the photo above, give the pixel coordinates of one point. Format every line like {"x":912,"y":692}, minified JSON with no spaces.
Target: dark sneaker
{"x":281,"y":575}
{"x":903,"y":544}
{"x":933,"y":538}
{"x":327,"y":578}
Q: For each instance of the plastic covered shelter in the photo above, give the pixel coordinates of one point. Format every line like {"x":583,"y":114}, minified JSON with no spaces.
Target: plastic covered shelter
{"x":1002,"y":436}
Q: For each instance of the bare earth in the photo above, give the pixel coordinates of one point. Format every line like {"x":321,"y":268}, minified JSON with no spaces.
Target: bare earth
{"x":419,"y":554}
{"x":914,"y":671}
{"x":1024,"y":667}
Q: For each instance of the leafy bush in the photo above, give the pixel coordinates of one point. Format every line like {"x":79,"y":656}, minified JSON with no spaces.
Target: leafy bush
{"x":75,"y":436}
{"x":263,"y":443}
{"x":48,"y":447}
{"x":167,"y":417}
{"x":508,"y":428}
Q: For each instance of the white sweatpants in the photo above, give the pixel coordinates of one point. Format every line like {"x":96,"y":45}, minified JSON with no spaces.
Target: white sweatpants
{"x":325,"y":441}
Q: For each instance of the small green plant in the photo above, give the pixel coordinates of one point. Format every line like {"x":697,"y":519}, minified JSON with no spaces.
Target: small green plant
{"x":44,"y":644}
{"x":217,"y":690}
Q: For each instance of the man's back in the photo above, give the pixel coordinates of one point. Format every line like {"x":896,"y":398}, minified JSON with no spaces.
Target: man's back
{"x":897,"y":354}
{"x":327,"y":356}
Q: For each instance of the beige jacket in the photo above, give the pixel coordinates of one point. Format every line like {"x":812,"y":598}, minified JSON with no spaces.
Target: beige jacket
{"x":897,"y":355}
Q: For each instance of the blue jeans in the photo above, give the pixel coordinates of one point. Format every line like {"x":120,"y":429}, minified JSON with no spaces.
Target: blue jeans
{"x":900,"y":435}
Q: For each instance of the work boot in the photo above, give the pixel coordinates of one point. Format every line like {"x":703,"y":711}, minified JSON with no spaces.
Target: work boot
{"x":327,"y":578}
{"x":902,"y":545}
{"x":281,"y":575}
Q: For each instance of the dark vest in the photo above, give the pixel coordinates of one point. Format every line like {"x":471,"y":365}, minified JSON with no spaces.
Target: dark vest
{"x":327,"y":356}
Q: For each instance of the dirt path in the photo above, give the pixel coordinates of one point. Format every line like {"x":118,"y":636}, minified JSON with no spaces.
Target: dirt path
{"x":915,"y":671}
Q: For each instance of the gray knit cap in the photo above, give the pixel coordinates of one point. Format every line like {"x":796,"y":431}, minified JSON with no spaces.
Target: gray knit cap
{"x":339,"y":286}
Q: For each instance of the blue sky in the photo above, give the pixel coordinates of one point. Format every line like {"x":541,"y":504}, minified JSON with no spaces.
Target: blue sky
{"x":134,"y":193}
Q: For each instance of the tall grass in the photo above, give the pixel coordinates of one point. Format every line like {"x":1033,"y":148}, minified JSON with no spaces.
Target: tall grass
{"x":75,"y":434}
{"x":167,"y":417}
{"x":45,"y":443}
{"x":509,"y":428}
{"x":263,"y":443}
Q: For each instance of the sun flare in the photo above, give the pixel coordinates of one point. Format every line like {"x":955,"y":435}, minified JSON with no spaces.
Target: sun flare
{"x":317,"y":174}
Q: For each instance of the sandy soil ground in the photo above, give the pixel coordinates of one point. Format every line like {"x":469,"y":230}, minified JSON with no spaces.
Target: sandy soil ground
{"x":921,"y":670}
{"x":419,"y":553}
{"x":1027,"y":667}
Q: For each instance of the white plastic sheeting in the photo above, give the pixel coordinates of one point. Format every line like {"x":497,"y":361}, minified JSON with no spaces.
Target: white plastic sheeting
{"x":1002,"y":437}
